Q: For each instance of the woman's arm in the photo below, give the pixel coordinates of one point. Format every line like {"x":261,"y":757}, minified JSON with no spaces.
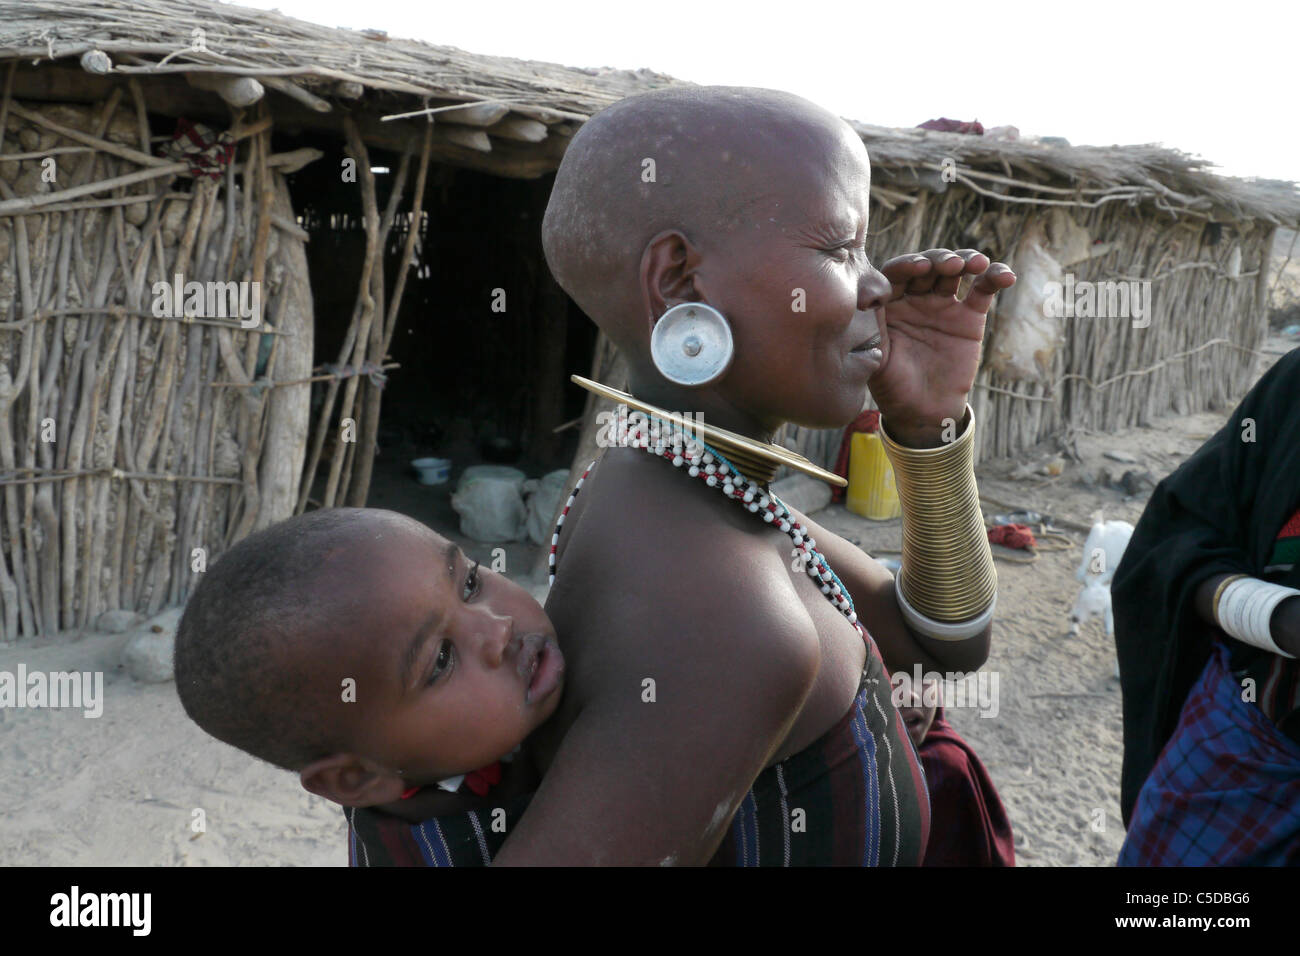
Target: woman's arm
{"x":1284,"y":625}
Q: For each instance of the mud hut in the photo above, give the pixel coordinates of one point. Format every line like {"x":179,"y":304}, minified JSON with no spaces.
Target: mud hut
{"x":1193,"y":248}
{"x":223,"y":232}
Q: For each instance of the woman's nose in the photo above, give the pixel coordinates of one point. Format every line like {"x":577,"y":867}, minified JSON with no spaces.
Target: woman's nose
{"x":873,"y":289}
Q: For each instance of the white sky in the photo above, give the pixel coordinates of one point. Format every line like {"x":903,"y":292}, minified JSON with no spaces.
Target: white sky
{"x":1221,"y":86}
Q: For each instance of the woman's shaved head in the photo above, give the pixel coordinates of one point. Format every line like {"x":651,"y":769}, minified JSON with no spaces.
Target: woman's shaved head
{"x":754,"y":202}
{"x":705,"y":161}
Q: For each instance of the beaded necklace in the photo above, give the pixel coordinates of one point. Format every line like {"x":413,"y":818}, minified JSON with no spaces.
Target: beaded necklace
{"x":707,"y":464}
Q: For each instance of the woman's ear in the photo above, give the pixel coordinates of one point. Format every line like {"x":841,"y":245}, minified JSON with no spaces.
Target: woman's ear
{"x":668,"y":267}
{"x":351,"y":781}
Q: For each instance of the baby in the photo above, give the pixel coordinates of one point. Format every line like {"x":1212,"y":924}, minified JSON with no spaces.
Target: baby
{"x":367,"y":654}
{"x":969,"y":826}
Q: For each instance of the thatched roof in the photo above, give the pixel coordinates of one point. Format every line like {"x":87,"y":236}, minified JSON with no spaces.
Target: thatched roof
{"x":264,"y":43}
{"x":323,"y":66}
{"x":1085,"y":174}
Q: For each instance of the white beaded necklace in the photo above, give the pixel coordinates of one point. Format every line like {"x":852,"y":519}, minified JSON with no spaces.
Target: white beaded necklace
{"x":706,"y":463}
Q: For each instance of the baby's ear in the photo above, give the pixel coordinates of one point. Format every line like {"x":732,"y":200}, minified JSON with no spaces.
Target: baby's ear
{"x":351,"y":781}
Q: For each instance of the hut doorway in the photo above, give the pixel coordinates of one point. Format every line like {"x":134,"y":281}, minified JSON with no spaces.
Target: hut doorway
{"x":484,"y":340}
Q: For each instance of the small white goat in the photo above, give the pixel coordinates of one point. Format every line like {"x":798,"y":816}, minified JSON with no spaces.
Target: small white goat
{"x":1093,"y":601}
{"x":1103,"y":550}
{"x":1102,"y":553}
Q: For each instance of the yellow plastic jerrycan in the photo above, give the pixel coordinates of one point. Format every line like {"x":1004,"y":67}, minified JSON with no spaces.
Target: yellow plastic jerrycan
{"x":871,"y":492}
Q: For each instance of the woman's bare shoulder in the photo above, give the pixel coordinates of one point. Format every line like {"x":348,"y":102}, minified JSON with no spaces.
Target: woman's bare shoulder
{"x":661,"y":573}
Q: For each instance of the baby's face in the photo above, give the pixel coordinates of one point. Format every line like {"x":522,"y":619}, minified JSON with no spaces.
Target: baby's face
{"x":796,"y":277}
{"x":462,"y":663}
{"x":917,"y":715}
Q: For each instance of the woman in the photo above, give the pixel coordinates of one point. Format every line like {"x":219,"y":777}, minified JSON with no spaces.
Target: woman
{"x":723,"y":706}
{"x":725,"y":701}
{"x":1207,"y":628}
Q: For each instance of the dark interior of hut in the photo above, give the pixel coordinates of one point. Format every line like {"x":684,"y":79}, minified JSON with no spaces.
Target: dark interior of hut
{"x":484,"y":339}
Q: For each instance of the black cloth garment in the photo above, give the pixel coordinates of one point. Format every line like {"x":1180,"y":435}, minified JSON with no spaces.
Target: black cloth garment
{"x":1218,"y":513}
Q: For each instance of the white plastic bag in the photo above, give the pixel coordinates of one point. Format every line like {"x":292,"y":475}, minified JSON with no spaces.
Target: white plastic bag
{"x":542,"y":504}
{"x":490,"y":502}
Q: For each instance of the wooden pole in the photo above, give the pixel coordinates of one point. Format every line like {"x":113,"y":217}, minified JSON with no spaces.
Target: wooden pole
{"x":356,"y":472}
{"x":366,"y":311}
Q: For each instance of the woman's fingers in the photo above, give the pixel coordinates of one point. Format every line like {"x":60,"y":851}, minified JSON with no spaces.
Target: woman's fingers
{"x":974,"y":263}
{"x":937,"y":271}
{"x":943,"y":263}
{"x":901,"y":270}
{"x":997,"y":277}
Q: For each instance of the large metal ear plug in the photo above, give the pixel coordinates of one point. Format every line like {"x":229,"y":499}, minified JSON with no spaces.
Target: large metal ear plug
{"x":692,"y":345}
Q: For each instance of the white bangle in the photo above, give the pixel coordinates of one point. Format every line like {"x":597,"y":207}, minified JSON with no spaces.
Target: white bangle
{"x":961,"y":631}
{"x":1246,"y":608}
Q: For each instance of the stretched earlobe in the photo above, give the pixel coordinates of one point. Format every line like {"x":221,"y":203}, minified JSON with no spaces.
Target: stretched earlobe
{"x":692,"y":344}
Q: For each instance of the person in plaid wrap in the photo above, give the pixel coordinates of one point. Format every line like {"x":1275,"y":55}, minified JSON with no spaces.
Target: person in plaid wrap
{"x":1211,"y":720}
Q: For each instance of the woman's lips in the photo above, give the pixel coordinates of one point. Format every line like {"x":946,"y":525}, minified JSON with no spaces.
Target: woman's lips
{"x":868,"y":359}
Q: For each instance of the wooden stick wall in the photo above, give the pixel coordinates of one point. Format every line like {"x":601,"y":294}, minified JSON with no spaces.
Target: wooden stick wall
{"x":130,"y":438}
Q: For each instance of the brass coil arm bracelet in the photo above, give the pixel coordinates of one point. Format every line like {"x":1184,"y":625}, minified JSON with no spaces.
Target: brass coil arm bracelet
{"x":947,"y":586}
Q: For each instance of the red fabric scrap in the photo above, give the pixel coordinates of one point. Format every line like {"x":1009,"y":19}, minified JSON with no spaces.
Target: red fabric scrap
{"x":1012,"y":536}
{"x":482,"y":780}
{"x":477,"y":781}
{"x":207,"y":151}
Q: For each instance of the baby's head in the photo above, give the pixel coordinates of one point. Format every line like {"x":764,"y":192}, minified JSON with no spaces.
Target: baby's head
{"x":752,"y":201}
{"x":365,"y":652}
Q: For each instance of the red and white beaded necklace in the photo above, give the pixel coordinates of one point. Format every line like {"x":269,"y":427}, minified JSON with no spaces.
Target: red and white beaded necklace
{"x":706,"y":463}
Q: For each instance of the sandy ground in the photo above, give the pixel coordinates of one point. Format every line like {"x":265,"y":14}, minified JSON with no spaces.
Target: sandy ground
{"x":124,"y":788}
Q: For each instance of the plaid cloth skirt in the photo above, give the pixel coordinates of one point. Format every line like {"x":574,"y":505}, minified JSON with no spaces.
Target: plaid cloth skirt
{"x":1226,"y":788}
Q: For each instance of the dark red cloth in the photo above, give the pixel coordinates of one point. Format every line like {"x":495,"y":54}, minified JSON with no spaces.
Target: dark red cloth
{"x":946,"y":125}
{"x":478,"y":781}
{"x":484,"y":779}
{"x":968,"y":824}
{"x":1012,"y":536}
{"x":869,"y":422}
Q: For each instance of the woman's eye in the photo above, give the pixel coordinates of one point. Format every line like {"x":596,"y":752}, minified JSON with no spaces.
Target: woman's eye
{"x":844,"y":253}
{"x":472,"y":583}
{"x":442,"y":662}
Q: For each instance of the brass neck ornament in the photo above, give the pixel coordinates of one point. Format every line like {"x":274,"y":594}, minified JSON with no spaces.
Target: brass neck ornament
{"x":757,"y":460}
